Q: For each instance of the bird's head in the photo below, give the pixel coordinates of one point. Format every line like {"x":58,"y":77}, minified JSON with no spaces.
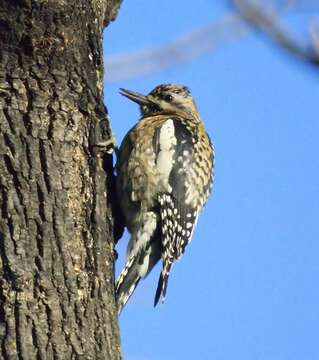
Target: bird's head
{"x":166,"y":98}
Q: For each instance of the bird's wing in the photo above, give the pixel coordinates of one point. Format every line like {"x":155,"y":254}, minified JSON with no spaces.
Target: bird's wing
{"x":178,"y":215}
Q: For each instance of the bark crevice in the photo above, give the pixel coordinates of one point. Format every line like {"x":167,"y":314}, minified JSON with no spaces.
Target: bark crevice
{"x":56,"y":213}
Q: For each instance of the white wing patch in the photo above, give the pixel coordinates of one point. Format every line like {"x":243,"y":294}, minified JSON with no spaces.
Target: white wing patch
{"x":164,"y":161}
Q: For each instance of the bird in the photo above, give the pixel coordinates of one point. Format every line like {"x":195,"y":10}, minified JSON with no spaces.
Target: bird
{"x":165,"y":167}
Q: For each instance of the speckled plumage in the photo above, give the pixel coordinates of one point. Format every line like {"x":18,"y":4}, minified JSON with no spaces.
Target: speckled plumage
{"x":165,"y":168}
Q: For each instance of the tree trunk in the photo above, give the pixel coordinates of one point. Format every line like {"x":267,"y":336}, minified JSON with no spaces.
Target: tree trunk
{"x":56,"y":219}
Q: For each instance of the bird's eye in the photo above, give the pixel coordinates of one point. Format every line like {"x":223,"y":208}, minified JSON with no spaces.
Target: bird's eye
{"x":168,"y":98}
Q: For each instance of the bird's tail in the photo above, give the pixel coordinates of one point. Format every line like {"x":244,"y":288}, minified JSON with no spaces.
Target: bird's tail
{"x":127,"y":282}
{"x":162,"y":283}
{"x":137,"y":266}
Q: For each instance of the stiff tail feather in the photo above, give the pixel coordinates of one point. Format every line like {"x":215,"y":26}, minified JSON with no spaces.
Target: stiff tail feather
{"x":162,"y":284}
{"x":126,"y":283}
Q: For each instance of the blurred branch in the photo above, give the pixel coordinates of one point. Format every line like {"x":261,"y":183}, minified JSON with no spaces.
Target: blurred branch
{"x":184,"y":49}
{"x":229,"y":28}
{"x":314,"y":32}
{"x":266,"y":22}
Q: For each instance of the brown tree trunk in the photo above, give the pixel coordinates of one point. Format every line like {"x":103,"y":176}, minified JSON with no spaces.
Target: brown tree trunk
{"x":56,"y":221}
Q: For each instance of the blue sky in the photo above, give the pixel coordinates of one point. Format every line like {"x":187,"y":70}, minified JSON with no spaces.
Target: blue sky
{"x":247,"y":286}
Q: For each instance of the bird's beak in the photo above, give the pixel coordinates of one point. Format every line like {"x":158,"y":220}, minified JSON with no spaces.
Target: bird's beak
{"x":136,"y":97}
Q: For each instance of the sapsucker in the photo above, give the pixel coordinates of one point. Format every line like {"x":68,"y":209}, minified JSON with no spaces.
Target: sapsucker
{"x":164,"y":176}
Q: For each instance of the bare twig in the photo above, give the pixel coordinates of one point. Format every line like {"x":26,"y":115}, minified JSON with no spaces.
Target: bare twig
{"x":314,"y":33}
{"x":200,"y":41}
{"x":266,"y":23}
{"x":183,"y":49}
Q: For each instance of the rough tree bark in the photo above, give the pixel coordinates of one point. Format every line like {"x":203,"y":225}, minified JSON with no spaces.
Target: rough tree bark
{"x":56,"y":220}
